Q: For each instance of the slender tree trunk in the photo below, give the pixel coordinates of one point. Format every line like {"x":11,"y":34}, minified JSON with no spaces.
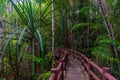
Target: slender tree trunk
{"x":109,"y":28}
{"x":112,"y":33}
{"x":53,"y":33}
{"x":103,"y":15}
{"x":33,"y":54}
{"x":1,"y":29}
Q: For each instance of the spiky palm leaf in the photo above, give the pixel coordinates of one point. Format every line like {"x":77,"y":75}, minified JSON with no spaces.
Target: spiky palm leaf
{"x":33,"y":15}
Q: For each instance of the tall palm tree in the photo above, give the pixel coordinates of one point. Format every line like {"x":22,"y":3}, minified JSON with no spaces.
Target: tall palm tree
{"x":33,"y":14}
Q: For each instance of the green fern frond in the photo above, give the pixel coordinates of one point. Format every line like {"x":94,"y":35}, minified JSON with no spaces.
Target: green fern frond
{"x":103,"y":53}
{"x":44,"y":76}
{"x":80,"y":25}
{"x":84,"y":10}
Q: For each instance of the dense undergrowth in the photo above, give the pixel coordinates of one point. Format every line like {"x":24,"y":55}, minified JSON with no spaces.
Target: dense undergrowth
{"x":89,"y":26}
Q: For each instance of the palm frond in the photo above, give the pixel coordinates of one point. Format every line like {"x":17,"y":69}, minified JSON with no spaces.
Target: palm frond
{"x":8,"y":42}
{"x":39,"y":38}
{"x":21,"y":35}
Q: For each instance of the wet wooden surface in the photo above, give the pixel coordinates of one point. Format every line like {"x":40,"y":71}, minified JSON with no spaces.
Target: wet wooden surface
{"x":75,"y":70}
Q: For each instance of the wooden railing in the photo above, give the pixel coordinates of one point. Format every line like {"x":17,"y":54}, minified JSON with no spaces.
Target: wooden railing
{"x":58,"y":73}
{"x":90,"y":66}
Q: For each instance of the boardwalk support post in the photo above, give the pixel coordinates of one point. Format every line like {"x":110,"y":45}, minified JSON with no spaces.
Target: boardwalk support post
{"x":105,"y":70}
{"x":62,"y":69}
{"x":89,"y":68}
{"x":55,"y":71}
{"x":66,"y":61}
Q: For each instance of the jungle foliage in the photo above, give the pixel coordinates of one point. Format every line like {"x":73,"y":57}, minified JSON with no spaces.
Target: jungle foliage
{"x":89,"y":26}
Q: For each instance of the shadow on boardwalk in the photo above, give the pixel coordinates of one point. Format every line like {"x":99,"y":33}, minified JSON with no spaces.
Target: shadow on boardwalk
{"x":75,"y":71}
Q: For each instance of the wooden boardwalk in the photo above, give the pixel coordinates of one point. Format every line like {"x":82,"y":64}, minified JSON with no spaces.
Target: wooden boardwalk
{"x":75,"y":70}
